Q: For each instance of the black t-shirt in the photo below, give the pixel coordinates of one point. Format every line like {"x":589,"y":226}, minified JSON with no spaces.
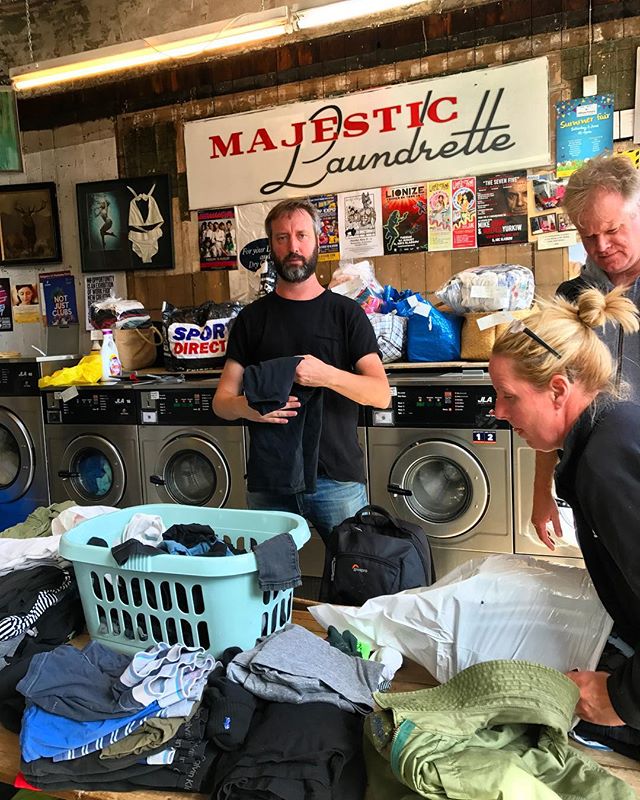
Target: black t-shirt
{"x":334,"y":329}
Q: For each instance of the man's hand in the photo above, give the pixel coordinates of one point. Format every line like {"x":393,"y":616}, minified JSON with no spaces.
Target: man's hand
{"x":282,"y":415}
{"x":545,"y":512}
{"x":311,"y":371}
{"x":594,"y":704}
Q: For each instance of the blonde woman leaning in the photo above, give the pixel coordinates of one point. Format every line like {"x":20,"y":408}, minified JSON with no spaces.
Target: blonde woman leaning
{"x":554,"y":383}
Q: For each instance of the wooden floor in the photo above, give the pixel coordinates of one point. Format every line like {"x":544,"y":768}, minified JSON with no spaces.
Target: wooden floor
{"x":410,"y":678}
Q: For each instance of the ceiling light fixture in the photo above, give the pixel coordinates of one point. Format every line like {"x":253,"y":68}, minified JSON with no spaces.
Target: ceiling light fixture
{"x":155,"y":49}
{"x":344,"y":10}
{"x":244,"y":29}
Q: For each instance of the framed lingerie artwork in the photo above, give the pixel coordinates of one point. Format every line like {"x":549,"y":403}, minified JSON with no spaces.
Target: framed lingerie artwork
{"x":125,"y":224}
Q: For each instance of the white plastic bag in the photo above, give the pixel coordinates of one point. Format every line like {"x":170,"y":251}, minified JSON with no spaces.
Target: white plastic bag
{"x":500,"y":607}
{"x":508,"y":287}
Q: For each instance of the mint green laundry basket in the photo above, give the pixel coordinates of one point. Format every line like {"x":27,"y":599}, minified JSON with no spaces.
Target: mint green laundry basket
{"x":209,"y":602}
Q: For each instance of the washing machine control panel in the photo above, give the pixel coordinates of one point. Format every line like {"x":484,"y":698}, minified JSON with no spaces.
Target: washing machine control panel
{"x":18,"y":380}
{"x":88,"y":407}
{"x":440,"y":406}
{"x":178,"y":407}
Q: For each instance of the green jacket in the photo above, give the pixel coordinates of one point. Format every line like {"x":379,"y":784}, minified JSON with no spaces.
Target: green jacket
{"x":496,"y":731}
{"x":38,"y":523}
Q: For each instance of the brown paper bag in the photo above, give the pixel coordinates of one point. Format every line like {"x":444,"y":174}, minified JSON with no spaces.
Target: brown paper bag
{"x":137,"y":346}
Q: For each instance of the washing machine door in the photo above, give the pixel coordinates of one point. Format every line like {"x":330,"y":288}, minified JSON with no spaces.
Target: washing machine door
{"x":93,"y":471}
{"x":193,"y":471}
{"x":441,"y":484}
{"x":17,"y":457}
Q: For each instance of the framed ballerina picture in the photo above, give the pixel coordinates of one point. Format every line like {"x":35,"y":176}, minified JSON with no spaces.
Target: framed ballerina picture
{"x":125,"y":224}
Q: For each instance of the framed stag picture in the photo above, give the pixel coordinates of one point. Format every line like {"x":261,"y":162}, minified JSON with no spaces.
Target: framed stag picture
{"x":29,"y":225}
{"x":125,"y":224}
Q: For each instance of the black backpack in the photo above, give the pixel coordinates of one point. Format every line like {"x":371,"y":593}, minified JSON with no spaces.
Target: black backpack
{"x":372,"y":554}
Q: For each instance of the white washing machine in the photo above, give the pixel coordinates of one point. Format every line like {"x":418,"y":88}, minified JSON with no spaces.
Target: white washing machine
{"x":92,"y":445}
{"x":189,"y":455}
{"x":23,"y":466}
{"x":438,"y":457}
{"x":526,"y":539}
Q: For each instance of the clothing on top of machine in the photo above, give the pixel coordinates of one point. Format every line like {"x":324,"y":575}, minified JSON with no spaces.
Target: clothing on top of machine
{"x":497,"y":729}
{"x":296,"y":666}
{"x":278,"y":563}
{"x":38,"y":523}
{"x":267,"y":387}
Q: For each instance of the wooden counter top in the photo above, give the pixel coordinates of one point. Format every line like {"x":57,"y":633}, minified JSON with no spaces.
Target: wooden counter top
{"x":410,"y":678}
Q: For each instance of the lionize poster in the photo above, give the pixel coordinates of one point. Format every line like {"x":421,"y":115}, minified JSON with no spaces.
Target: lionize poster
{"x":584,"y":129}
{"x":502,"y":208}
{"x":404,"y":218}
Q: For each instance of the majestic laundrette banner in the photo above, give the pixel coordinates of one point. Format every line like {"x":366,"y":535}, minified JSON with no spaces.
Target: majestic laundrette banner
{"x":472,"y":123}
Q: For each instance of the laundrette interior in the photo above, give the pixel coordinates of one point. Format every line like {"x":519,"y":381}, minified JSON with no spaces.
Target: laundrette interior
{"x":437,"y":456}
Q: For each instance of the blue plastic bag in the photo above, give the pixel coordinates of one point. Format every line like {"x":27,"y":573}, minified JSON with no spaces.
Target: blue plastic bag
{"x":432,"y":335}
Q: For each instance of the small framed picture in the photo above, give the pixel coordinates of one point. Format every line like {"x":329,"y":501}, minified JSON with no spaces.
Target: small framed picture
{"x":125,"y":224}
{"x":29,"y":224}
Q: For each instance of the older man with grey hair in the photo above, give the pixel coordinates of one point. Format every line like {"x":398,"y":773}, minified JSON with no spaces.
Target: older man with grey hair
{"x":603,"y":201}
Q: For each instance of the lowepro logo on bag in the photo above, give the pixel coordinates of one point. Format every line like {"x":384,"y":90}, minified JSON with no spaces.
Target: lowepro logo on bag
{"x":358,"y":568}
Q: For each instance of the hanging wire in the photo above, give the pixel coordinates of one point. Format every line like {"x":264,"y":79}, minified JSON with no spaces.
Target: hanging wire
{"x":27,"y":14}
{"x":590,"y":37}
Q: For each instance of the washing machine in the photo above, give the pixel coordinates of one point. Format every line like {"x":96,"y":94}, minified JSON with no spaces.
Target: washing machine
{"x":187,"y":454}
{"x":526,"y":539}
{"x":92,"y":445}
{"x":439,"y":458}
{"x":23,"y":466}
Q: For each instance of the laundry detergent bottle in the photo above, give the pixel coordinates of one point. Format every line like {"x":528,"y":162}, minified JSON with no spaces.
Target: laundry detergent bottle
{"x":111,"y":366}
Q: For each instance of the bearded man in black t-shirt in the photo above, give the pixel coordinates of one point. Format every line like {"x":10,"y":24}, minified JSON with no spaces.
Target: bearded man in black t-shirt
{"x":339,"y":358}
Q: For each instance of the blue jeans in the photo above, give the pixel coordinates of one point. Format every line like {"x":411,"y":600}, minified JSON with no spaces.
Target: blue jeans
{"x":330,"y":504}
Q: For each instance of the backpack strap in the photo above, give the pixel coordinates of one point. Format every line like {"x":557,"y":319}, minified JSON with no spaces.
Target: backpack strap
{"x":375,"y":511}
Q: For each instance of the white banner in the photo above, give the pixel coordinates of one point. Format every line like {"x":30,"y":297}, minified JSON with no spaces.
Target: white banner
{"x":472,"y":123}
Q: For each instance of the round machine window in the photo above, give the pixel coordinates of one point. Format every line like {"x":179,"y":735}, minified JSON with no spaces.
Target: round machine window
{"x":441,"y":490}
{"x":94,"y":477}
{"x":190,"y":478}
{"x":9,"y":458}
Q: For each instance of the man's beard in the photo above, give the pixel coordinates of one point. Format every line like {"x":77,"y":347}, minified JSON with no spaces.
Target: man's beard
{"x":296,"y":273}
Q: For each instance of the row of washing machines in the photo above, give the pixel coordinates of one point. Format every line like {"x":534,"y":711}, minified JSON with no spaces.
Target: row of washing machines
{"x":436,"y":456}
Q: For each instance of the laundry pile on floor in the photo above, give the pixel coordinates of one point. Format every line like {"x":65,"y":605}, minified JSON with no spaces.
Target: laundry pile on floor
{"x":283,"y":719}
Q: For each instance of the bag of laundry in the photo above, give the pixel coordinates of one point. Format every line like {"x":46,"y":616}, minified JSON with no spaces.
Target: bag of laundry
{"x":195,"y":337}
{"x":500,"y":607}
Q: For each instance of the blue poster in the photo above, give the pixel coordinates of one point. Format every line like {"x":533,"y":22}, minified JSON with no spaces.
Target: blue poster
{"x":59,"y":292}
{"x":584,"y":129}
